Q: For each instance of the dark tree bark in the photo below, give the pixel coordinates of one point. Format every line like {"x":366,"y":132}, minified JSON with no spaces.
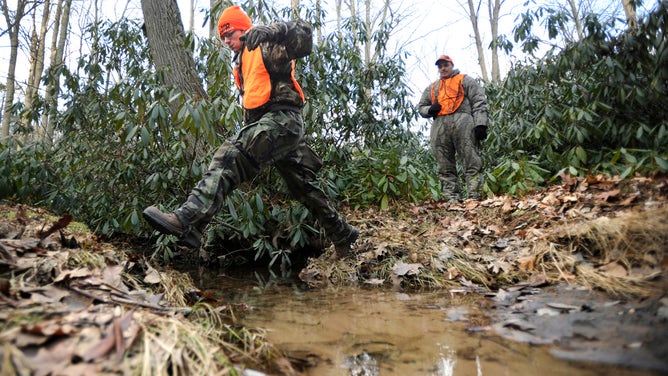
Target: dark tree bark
{"x":166,"y":39}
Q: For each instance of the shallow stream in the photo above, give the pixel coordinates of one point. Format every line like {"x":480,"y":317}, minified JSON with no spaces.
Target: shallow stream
{"x":376,"y":331}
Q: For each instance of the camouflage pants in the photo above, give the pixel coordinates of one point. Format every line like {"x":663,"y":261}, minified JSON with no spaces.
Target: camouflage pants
{"x":451,"y":137}
{"x":276,"y":139}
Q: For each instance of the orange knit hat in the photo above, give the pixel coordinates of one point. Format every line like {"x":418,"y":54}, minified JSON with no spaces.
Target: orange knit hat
{"x":233,"y":18}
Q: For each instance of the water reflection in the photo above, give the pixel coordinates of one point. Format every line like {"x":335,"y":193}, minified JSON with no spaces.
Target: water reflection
{"x":354,"y":331}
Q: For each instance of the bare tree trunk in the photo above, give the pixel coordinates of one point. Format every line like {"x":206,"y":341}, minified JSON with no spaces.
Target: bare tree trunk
{"x":37,"y":64}
{"x":473,"y":15}
{"x":166,"y":39}
{"x":13,"y":27}
{"x":630,"y":10}
{"x":62,"y":35}
{"x":367,"y":26}
{"x":352,"y":6}
{"x":339,"y":17}
{"x":576,"y":18}
{"x":191,"y":25}
{"x":33,"y":48}
{"x":295,"y":9}
{"x":380,"y":18}
{"x":318,"y":5}
{"x":96,"y":34}
{"x":57,"y":47}
{"x":383,"y":18}
{"x":49,"y":100}
{"x":213,"y":20}
{"x":494,"y":10}
{"x":39,"y":68}
{"x":216,"y":8}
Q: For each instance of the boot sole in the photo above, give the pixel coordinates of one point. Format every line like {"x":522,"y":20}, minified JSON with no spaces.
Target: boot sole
{"x":151,"y":215}
{"x":192,"y":240}
{"x":352,"y":238}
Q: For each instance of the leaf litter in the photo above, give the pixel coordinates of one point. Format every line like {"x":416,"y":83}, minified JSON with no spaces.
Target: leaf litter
{"x":564,"y":267}
{"x":580,"y":266}
{"x":84,"y":306}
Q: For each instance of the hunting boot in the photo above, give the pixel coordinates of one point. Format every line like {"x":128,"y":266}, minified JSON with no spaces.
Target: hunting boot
{"x":343,"y":247}
{"x":474,"y":187}
{"x":451,"y":192}
{"x":170,"y":224}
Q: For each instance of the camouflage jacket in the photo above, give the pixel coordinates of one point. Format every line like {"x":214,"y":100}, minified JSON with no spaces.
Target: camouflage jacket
{"x":474,"y":104}
{"x":291,"y":40}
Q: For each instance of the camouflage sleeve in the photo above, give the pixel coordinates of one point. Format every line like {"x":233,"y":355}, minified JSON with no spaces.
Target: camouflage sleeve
{"x":477,"y":99}
{"x":296,"y":36}
{"x":425,"y":103}
{"x":299,"y":39}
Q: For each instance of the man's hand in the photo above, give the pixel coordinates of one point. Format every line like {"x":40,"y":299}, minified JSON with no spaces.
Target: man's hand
{"x":256,"y":35}
{"x":434,"y":109}
{"x":480,"y":132}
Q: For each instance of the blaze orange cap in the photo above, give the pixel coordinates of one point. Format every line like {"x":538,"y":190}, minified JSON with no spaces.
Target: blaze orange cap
{"x":444,"y":58}
{"x":233,"y":18}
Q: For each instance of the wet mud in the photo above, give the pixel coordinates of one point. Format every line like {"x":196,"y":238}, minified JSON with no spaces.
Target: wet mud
{"x":525,"y":330}
{"x":577,"y":324}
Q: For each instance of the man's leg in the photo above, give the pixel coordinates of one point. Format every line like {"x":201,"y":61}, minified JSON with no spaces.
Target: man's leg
{"x":255,"y":147}
{"x":299,"y":171}
{"x":471,"y":162}
{"x":227,"y":169}
{"x":444,"y":152}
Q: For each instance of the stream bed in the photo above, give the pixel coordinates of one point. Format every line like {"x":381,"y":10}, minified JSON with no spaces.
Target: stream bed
{"x":377,"y":331}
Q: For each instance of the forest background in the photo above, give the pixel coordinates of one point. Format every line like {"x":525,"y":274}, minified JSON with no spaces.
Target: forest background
{"x":132,"y":119}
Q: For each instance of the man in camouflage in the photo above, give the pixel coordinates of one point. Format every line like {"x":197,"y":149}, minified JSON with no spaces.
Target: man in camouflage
{"x":272,"y":136}
{"x":459,"y":108}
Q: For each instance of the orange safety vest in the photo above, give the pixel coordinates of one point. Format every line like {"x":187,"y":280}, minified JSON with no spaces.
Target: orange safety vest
{"x":256,"y":88}
{"x":450,"y":93}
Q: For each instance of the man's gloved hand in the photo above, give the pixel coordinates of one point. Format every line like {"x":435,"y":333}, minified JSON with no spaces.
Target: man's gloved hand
{"x":480,"y":132}
{"x":256,"y":35}
{"x":434,"y":109}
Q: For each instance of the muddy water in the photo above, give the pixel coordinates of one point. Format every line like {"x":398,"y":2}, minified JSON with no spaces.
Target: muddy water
{"x":372,"y":331}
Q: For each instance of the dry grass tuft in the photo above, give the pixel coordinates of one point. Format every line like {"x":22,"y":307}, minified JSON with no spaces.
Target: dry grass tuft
{"x":201,"y":344}
{"x":89,"y":259}
{"x":618,"y":255}
{"x":176,"y":286}
{"x":627,"y":237}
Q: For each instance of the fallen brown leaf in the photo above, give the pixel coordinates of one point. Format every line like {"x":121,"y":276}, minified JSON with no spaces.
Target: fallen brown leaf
{"x":152,"y":276}
{"x":606,"y":196}
{"x":507,"y":205}
{"x":527,"y":263}
{"x":112,"y":339}
{"x":614,"y":269}
{"x":53,"y":358}
{"x":72,"y":273}
{"x":402,"y":268}
{"x":58,"y":225}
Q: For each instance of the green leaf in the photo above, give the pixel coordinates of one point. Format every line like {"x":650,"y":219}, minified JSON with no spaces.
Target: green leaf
{"x":662,"y":163}
{"x":145,"y":137}
{"x":626,"y":172}
{"x":135,"y":218}
{"x":581,"y":154}
{"x":384,"y":203}
{"x":131,"y":133}
{"x":232,"y":210}
{"x":572,"y":170}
